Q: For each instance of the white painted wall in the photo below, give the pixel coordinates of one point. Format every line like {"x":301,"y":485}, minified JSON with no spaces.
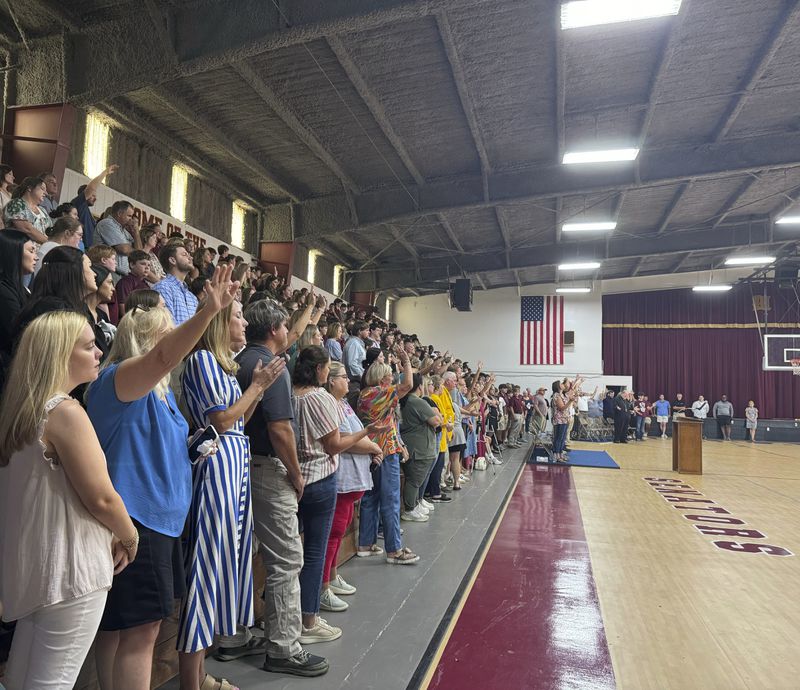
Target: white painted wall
{"x":490,"y":332}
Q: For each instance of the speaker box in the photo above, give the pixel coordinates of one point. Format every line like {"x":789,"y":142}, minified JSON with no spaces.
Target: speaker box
{"x":461,"y":295}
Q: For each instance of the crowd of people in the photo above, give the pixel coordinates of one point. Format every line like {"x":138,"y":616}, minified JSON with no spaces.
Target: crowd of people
{"x":169,"y":410}
{"x":637,"y":416}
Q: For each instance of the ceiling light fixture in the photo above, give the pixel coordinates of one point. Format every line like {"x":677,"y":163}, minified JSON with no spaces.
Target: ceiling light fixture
{"x":788,"y":220}
{"x":607,"y":156}
{"x":712,"y":288}
{"x":588,"y":227}
{"x":573,"y":290}
{"x":748,"y":260}
{"x":593,"y":12}
{"x":580,"y":266}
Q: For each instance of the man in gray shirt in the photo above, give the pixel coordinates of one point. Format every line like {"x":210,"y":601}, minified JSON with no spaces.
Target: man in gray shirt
{"x":113,"y":232}
{"x":723,"y":413}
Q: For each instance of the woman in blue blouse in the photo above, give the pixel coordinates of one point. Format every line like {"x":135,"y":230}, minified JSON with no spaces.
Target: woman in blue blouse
{"x":144,"y":438}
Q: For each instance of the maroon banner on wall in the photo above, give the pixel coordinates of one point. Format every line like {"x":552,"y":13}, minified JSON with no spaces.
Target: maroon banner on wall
{"x":678,"y":341}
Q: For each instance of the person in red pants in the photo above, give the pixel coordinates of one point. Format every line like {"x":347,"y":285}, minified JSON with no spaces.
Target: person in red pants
{"x":354,"y":477}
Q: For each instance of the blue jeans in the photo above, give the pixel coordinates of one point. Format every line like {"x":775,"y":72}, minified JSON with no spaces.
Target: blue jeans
{"x":383,"y":500}
{"x":559,"y":438}
{"x":315,"y":511}
{"x":639,"y":428}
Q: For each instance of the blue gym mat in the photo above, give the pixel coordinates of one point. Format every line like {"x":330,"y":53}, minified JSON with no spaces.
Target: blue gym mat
{"x":586,"y":458}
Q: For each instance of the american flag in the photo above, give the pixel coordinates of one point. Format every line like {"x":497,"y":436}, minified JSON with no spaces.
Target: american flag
{"x":541,"y":331}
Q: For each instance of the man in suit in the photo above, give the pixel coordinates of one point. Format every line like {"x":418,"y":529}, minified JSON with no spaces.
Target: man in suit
{"x":621,"y":417}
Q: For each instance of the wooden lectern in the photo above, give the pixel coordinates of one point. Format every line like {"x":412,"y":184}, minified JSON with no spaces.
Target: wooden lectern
{"x":687,"y":446}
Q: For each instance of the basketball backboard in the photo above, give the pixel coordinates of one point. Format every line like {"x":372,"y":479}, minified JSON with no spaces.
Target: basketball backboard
{"x":780,"y":350}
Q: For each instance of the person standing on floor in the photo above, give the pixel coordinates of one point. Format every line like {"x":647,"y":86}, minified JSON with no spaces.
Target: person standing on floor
{"x":662,"y":408}
{"x":220,"y":523}
{"x":621,"y":419}
{"x":751,"y":417}
{"x":64,"y":530}
{"x":700,"y":411}
{"x":277,"y":484}
{"x":679,"y":407}
{"x":640,"y":412}
{"x":723,"y":413}
{"x":353,"y":478}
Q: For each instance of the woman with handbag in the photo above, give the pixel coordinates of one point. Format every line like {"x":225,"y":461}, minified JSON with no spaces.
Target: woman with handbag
{"x":220,"y":524}
{"x":144,"y":437}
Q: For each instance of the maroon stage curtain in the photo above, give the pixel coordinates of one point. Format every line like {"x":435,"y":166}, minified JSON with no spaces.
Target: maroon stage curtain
{"x":701,"y":361}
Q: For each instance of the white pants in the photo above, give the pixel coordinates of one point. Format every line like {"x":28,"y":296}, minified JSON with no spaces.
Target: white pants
{"x":51,"y":644}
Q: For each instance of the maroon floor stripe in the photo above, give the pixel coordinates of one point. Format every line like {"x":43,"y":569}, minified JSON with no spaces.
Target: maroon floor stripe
{"x":532,"y":619}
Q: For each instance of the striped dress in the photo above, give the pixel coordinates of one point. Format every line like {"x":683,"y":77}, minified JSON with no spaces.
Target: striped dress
{"x":219,"y":551}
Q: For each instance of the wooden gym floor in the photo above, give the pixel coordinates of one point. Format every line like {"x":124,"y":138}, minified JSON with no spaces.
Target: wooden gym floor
{"x":678,"y":611}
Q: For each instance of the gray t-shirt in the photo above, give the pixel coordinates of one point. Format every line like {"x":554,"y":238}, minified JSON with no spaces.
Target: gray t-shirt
{"x":276,"y":404}
{"x":724,"y":409}
{"x":109,"y":231}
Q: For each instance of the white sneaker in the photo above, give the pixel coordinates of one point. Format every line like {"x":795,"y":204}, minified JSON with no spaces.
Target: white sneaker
{"x":414,"y":516}
{"x":421,"y":509}
{"x":328,"y":601}
{"x":427,"y":505}
{"x":465,"y":478}
{"x":321,"y":632}
{"x":340,"y":587}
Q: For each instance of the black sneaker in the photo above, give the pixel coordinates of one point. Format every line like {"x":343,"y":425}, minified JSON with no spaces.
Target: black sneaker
{"x":256,"y":645}
{"x":441,"y":499}
{"x":301,"y":664}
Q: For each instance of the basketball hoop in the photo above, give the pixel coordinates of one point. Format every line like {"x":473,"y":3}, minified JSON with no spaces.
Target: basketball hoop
{"x":795,"y":366}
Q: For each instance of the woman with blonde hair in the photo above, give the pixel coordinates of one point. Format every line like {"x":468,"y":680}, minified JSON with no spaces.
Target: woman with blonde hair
{"x":57,"y":564}
{"x":220,"y":524}
{"x":311,"y":336}
{"x":145,"y":438}
{"x":333,"y":337}
{"x":378,"y":402}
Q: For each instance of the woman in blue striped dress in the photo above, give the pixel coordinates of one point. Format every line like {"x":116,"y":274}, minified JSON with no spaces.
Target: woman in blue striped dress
{"x":220,"y":523}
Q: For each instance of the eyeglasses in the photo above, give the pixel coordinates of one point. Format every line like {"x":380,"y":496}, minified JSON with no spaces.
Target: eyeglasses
{"x":339,"y":376}
{"x":140,"y":307}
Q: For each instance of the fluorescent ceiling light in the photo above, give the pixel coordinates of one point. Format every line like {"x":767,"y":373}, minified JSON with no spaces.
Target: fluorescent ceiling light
{"x":608,"y":156}
{"x":580,"y":266}
{"x":593,"y":12}
{"x":748,"y":260}
{"x":788,"y":220}
{"x":712,"y":288}
{"x":588,"y":227}
{"x":574,"y":290}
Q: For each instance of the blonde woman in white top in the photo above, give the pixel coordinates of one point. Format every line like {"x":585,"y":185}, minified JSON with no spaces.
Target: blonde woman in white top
{"x":64,"y":530}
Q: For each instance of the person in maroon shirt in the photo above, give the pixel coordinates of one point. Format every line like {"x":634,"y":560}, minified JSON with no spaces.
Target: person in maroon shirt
{"x":516,"y":407}
{"x":139,"y":269}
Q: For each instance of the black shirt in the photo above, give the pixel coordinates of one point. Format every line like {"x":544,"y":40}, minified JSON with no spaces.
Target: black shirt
{"x":680,"y":406}
{"x":276,"y":404}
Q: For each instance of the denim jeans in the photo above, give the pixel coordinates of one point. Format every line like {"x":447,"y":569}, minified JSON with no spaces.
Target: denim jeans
{"x":433,"y":487}
{"x":639,"y":428}
{"x":559,"y":438}
{"x":383,"y":500}
{"x":315,"y":511}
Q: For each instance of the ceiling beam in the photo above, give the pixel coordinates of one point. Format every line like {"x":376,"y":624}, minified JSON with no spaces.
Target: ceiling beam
{"x":374,"y":106}
{"x":236,"y":150}
{"x":403,"y":242}
{"x":781,"y":29}
{"x":211,"y":35}
{"x":159,"y":21}
{"x":790,"y":199}
{"x":662,"y":167}
{"x":657,"y":82}
{"x":666,"y":217}
{"x":501,"y":224}
{"x":480,"y":280}
{"x":637,"y":266}
{"x":450,"y":233}
{"x":724,"y":238}
{"x":730,"y":204}
{"x":293,"y":122}
{"x":127,"y":117}
{"x":60,"y":15}
{"x":457,"y":70}
{"x":559,"y":80}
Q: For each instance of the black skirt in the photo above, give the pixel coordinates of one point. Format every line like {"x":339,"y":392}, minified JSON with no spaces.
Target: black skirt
{"x":146,"y":590}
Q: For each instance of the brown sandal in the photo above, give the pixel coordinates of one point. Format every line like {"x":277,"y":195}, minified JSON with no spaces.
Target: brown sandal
{"x":211,"y":683}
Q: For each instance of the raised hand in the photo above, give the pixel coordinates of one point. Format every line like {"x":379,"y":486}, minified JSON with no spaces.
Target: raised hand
{"x":265,"y":376}
{"x":220,"y":291}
